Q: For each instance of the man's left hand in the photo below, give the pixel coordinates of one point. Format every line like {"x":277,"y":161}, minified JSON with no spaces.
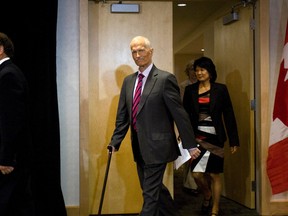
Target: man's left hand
{"x":194,"y":153}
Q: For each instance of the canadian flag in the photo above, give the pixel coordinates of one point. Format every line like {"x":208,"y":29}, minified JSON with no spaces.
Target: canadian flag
{"x":277,"y":161}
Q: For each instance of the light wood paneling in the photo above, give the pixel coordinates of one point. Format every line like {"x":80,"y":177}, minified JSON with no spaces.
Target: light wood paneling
{"x":72,"y":210}
{"x":263,"y":114}
{"x":233,"y":46}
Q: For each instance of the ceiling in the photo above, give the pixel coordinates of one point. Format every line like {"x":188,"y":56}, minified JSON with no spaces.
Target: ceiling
{"x":187,"y":20}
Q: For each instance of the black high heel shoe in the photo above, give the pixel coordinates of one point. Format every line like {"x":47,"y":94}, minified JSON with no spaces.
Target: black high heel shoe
{"x":206,"y":205}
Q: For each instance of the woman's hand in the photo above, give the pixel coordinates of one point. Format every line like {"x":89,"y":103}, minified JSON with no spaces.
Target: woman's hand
{"x":233,"y":149}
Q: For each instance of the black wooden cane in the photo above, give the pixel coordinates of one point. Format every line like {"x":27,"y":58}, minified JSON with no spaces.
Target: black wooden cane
{"x":105,"y":180}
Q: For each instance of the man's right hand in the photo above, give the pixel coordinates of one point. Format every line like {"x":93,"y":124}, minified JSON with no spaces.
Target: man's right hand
{"x":111,"y":148}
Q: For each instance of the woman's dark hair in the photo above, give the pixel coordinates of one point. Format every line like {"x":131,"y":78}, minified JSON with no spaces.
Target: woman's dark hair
{"x":207,"y":63}
{"x":7,"y":44}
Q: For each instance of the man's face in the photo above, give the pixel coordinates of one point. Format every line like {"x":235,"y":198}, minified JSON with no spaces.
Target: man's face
{"x":141,"y":55}
{"x":2,"y":53}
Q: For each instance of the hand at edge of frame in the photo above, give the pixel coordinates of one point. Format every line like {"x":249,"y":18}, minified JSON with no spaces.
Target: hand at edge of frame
{"x":6,"y":169}
{"x":233,"y":149}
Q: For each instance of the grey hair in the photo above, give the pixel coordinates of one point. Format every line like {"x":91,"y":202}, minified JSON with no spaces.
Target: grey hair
{"x":140,"y":39}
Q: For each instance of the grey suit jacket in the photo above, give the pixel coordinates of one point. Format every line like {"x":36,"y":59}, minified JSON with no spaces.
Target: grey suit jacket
{"x":160,"y":107}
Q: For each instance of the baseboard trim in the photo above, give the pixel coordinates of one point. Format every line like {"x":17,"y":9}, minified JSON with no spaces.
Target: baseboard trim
{"x":72,"y":210}
{"x":112,"y":214}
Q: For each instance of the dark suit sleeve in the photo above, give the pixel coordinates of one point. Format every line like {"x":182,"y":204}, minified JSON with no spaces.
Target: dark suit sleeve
{"x":122,"y":119}
{"x":12,"y":116}
{"x":229,"y":119}
{"x":173,"y":100}
{"x":188,"y":102}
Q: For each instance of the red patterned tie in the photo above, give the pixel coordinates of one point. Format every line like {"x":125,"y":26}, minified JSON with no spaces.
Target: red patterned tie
{"x":136,"y":100}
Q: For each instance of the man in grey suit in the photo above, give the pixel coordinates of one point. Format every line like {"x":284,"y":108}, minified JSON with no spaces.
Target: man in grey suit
{"x":153,"y":138}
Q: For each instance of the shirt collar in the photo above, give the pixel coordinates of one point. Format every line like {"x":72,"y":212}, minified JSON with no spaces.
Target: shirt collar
{"x":4,"y":59}
{"x":147,"y":70}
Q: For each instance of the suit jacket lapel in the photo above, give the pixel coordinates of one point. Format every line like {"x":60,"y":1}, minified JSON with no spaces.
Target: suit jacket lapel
{"x":150,"y":82}
{"x":131,"y":85}
{"x":212,"y":96}
{"x":130,"y":91}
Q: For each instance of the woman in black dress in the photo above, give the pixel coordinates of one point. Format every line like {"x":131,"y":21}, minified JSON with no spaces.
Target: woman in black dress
{"x":210,"y":109}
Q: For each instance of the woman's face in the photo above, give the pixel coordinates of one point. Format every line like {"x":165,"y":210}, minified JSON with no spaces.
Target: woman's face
{"x":202,"y":74}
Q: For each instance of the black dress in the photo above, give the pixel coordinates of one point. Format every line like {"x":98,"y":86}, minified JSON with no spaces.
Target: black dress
{"x":211,"y":158}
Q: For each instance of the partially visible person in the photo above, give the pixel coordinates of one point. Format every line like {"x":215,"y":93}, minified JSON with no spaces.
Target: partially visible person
{"x":211,"y":112}
{"x":15,"y":194}
{"x":154,"y":141}
{"x":189,"y":185}
{"x":191,"y":78}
